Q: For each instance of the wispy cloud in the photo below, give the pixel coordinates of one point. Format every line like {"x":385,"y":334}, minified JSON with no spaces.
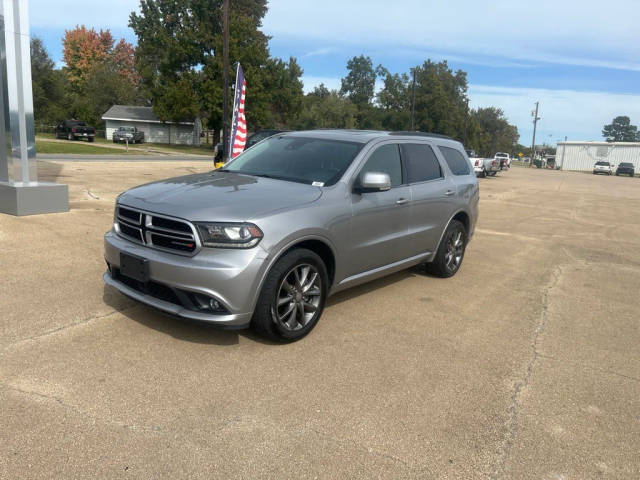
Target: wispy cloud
{"x":318,"y":52}
{"x":569,"y":32}
{"x":578,"y":115}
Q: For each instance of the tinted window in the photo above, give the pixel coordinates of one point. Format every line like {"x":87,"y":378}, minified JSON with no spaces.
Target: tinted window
{"x":421,"y":163}
{"x":385,"y":159}
{"x":298,"y":159}
{"x":606,"y":164}
{"x":456,"y":161}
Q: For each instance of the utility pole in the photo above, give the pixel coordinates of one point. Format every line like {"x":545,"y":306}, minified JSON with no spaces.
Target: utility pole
{"x":535,"y":125}
{"x":413,"y":99}
{"x":225,"y":81}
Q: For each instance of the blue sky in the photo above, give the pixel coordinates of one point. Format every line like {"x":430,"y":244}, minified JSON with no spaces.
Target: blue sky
{"x":579,"y":59}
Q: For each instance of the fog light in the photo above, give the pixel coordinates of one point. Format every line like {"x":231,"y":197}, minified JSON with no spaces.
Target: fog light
{"x":214,"y":304}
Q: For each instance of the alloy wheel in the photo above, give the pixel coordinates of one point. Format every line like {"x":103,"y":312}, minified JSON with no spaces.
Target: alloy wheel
{"x":455,"y":249}
{"x":298,"y":297}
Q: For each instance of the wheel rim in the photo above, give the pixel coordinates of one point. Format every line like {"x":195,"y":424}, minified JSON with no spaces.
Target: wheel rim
{"x":455,"y":249}
{"x":298,"y":297}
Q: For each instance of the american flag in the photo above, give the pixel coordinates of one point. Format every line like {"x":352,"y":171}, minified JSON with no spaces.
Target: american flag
{"x":239,"y":124}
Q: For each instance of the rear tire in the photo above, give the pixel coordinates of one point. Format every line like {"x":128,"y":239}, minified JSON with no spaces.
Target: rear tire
{"x":91,"y":139}
{"x":450,"y":252}
{"x":292,"y":298}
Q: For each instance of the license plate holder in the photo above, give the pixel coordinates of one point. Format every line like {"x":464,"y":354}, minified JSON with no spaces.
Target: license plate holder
{"x":134,"y":267}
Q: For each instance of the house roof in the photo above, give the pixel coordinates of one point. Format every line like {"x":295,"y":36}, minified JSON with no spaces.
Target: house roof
{"x":131,"y":113}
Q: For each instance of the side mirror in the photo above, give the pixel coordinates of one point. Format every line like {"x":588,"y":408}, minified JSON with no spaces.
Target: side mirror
{"x":374,"y":182}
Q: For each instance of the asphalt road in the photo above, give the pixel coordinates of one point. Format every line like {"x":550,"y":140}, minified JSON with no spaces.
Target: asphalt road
{"x":525,"y":365}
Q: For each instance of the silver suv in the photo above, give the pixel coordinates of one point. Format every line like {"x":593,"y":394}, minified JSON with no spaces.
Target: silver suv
{"x":265,"y":240}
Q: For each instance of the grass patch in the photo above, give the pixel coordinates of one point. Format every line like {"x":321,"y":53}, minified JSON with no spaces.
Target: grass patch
{"x":140,"y":149}
{"x":188,"y":149}
{"x":80,"y":148}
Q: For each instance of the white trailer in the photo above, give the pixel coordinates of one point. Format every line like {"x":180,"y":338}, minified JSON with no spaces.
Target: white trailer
{"x":582,"y":156}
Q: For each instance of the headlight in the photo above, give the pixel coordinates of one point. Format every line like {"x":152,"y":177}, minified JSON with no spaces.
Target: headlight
{"x":229,"y":235}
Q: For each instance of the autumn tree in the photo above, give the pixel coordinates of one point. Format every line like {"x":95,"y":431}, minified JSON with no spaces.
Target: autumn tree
{"x":83,"y":49}
{"x":101,"y":73}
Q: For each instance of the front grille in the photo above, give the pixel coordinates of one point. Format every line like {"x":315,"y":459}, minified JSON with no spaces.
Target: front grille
{"x":156,"y":231}
{"x":195,"y":302}
{"x":154,"y":289}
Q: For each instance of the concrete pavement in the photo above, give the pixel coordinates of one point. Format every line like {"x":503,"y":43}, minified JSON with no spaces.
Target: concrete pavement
{"x":524,"y":365}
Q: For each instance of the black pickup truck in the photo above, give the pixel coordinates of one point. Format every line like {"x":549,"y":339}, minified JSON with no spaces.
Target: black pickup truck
{"x":128,"y":134}
{"x":75,"y":130}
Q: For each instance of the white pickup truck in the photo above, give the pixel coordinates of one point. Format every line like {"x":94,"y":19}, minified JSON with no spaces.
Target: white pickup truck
{"x":504,"y":159}
{"x":483,"y":166}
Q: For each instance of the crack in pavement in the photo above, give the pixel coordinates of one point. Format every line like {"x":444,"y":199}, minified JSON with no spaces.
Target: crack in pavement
{"x":513,"y":410}
{"x":78,"y":410}
{"x":65,"y":327}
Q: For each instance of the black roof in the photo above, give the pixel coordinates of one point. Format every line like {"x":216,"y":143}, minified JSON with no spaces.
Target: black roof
{"x":134,"y":113}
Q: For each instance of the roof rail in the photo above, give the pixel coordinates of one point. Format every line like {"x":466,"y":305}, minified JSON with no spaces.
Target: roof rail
{"x":421,"y":134}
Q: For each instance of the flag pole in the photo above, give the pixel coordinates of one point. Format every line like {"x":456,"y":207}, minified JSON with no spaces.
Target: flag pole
{"x":233,"y":112}
{"x":225,"y":77}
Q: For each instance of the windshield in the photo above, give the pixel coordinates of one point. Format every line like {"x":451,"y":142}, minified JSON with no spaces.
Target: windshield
{"x":306,"y":160}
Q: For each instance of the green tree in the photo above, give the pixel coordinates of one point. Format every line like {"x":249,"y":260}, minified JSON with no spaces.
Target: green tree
{"x":621,"y":130}
{"x":394,"y":100}
{"x":104,"y":87}
{"x":47,"y":85}
{"x":359,"y":84}
{"x":441,"y":99}
{"x":495,"y":134}
{"x":326,"y":109}
{"x":179,"y":54}
{"x":359,"y":87}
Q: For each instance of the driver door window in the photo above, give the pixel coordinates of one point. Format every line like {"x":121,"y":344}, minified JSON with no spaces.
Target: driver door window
{"x":386,"y":159}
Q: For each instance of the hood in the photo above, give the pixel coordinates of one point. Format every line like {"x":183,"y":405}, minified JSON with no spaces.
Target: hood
{"x":219,"y":196}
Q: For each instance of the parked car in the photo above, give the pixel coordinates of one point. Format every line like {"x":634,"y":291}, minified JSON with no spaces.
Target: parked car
{"x":75,"y":130}
{"x":626,"y":169}
{"x":603,"y":167}
{"x":504,"y":159}
{"x":128,"y":134}
{"x":266,"y":239}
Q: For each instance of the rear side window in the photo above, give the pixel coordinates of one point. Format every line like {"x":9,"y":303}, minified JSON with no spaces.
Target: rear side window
{"x":456,"y":161}
{"x":421,"y":162}
{"x":385,"y":159}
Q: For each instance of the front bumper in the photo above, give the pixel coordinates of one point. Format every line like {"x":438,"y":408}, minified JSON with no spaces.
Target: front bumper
{"x":230,"y":276}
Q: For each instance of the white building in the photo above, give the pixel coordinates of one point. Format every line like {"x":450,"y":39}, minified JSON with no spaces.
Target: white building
{"x":582,"y":156}
{"x":155,"y":131}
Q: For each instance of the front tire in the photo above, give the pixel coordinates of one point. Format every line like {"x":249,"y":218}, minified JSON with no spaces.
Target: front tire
{"x":292,"y":298}
{"x":450,"y":252}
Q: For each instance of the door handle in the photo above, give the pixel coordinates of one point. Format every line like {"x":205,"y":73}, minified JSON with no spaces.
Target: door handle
{"x":448,"y":193}
{"x":402,"y":201}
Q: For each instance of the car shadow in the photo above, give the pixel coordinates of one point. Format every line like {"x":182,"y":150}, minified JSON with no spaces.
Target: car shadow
{"x":202,"y":332}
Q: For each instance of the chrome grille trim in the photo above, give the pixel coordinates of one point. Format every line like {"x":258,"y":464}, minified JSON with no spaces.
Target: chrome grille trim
{"x":143,"y":224}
